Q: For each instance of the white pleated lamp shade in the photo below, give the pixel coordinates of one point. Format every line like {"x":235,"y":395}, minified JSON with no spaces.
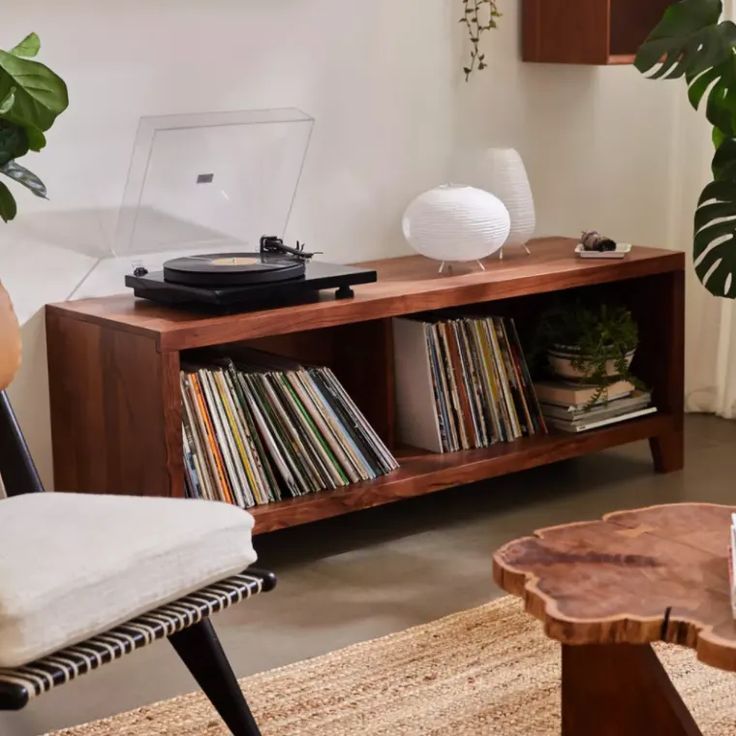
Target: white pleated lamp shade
{"x":504,"y":174}
{"x":456,"y":223}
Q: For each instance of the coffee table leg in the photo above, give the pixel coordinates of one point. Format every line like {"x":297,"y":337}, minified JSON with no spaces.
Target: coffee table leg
{"x":612,"y":690}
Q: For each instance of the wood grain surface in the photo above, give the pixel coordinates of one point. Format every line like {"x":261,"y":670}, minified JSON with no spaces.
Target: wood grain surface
{"x":566,"y":31}
{"x":635,"y":577}
{"x":116,"y":406}
{"x":115,"y":411}
{"x":620,"y":690}
{"x":406,"y":285}
{"x":587,"y":31}
{"x":423,"y":472}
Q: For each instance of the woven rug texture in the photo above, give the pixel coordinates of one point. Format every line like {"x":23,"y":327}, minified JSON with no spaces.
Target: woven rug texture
{"x":489,"y":670}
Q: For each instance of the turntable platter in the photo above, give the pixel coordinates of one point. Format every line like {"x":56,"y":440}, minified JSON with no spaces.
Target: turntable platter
{"x":232,"y":269}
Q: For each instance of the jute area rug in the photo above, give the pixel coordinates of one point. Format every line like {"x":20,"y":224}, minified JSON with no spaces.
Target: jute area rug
{"x":485,"y":671}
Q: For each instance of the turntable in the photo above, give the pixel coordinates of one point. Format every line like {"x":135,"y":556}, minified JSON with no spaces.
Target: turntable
{"x":275,"y":276}
{"x":201,"y":192}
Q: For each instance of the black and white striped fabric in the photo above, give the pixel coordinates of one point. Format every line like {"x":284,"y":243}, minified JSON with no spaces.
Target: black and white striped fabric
{"x":18,"y":686}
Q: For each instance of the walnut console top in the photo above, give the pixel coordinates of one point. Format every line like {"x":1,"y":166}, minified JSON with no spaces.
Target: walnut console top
{"x":406,"y":285}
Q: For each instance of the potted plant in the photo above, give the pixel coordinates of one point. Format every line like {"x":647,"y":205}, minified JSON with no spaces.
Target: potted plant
{"x":595,"y":346}
{"x":693,"y":43}
{"x":31,"y":98}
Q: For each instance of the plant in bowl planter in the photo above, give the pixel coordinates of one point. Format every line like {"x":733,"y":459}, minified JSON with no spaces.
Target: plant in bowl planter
{"x":592,"y":346}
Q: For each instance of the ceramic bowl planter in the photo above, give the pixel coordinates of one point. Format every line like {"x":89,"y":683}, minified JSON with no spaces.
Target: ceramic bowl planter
{"x":567,"y":362}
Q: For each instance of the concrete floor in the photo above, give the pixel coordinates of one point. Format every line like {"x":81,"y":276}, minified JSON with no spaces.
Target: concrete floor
{"x":384,"y":570}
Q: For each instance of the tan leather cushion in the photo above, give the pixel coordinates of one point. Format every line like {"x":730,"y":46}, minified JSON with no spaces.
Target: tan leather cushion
{"x":9,"y":340}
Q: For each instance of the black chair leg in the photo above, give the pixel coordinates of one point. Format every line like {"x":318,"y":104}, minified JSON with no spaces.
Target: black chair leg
{"x":16,"y":464}
{"x":202,"y":653}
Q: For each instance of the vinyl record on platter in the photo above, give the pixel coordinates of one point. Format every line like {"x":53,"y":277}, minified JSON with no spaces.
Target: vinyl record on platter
{"x":232,"y":269}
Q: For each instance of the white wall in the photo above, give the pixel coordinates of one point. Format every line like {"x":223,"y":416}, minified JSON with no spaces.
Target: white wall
{"x":383,"y":80}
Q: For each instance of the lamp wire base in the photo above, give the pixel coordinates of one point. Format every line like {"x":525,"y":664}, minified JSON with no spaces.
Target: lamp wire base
{"x":523,"y":245}
{"x":444,"y":265}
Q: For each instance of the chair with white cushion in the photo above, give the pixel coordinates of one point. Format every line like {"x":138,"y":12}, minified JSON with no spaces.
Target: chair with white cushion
{"x":87,"y":579}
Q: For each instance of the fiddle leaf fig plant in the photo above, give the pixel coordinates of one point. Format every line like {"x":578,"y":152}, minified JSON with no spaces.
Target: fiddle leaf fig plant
{"x":31,"y":98}
{"x":692,"y":42}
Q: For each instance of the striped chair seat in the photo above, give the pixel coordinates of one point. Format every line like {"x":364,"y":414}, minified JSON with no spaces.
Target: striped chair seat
{"x":18,"y":686}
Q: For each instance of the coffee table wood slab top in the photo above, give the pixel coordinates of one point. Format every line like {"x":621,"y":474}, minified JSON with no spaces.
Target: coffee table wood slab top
{"x":635,"y":577}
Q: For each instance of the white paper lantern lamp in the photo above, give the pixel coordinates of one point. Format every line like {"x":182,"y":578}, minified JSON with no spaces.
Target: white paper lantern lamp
{"x":456,"y":223}
{"x":505,"y":175}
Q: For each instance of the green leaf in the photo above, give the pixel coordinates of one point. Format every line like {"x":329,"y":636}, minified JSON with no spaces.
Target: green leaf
{"x":13,"y":142}
{"x":28,"y":47}
{"x":718,"y":138}
{"x":688,"y":40}
{"x":8,"y":207}
{"x":25,"y":177}
{"x":8,"y":102}
{"x":720,"y":85}
{"x":36,"y":139}
{"x":40,"y":95}
{"x":724,"y":161}
{"x":715,"y":238}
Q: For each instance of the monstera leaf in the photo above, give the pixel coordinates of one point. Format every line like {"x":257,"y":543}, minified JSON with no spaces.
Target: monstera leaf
{"x":692,"y":43}
{"x":715,"y":225}
{"x":687,"y":41}
{"x":715,"y":238}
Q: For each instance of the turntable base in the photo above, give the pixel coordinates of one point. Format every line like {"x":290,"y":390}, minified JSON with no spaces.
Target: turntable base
{"x":317,"y":276}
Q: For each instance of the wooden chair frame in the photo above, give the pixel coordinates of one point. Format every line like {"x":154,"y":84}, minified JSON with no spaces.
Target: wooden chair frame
{"x":193,"y":637}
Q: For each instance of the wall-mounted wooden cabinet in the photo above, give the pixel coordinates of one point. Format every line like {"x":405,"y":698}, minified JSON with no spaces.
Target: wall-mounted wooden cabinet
{"x":587,"y":31}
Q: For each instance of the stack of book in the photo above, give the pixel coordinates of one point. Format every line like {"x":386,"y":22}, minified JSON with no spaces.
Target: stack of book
{"x":567,"y":405}
{"x":263,"y":429}
{"x":463,"y":384}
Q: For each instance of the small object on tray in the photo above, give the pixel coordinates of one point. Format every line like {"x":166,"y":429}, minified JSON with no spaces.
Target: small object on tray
{"x":594,"y":241}
{"x":594,"y":245}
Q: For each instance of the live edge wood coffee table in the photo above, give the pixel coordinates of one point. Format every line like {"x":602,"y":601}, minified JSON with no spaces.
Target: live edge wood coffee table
{"x":607,"y":589}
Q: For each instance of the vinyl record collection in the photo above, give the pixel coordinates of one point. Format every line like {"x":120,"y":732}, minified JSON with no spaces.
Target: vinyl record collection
{"x":262,"y":429}
{"x":463,"y":383}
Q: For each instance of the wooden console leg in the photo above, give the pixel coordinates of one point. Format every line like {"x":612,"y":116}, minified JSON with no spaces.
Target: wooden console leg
{"x":612,"y":690}
{"x":668,"y":452}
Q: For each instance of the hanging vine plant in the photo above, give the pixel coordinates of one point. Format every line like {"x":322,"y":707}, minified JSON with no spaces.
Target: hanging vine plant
{"x":692,"y":42}
{"x":479,"y":16}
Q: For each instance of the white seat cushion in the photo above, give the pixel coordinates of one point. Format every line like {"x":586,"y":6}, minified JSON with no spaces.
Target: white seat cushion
{"x":75,"y":565}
